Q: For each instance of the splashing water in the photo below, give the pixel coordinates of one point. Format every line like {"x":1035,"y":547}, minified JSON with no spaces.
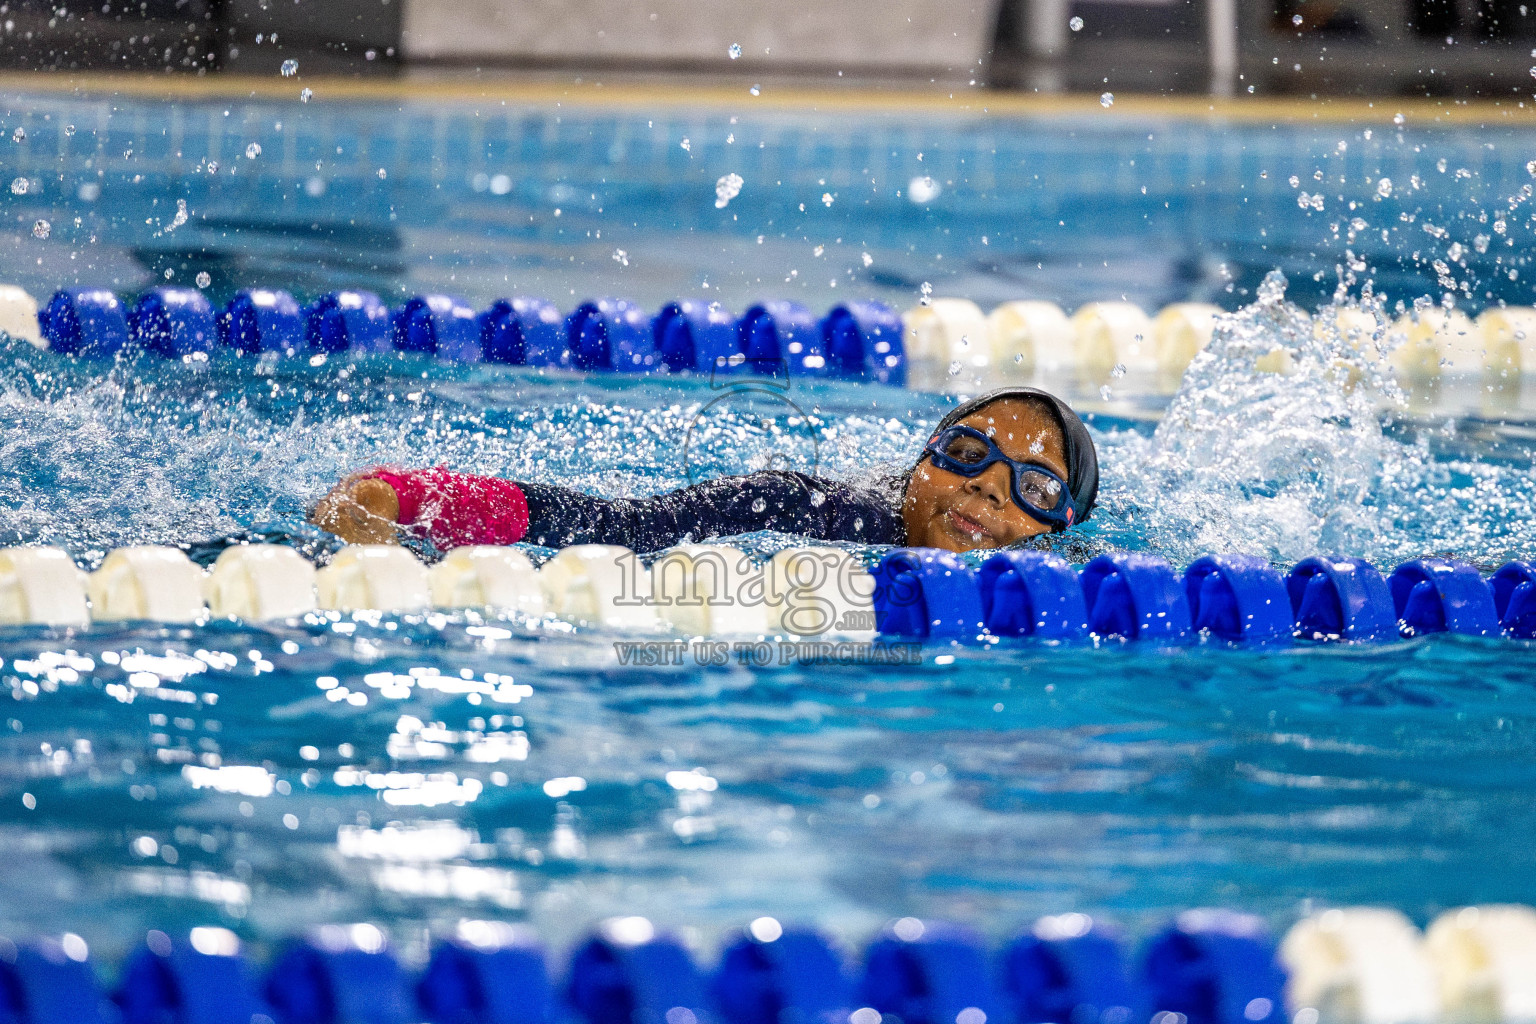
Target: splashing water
{"x":726,"y":189}
{"x":1289,"y":437}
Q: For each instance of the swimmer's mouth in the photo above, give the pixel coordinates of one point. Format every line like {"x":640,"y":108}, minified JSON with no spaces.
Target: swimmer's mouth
{"x":970,"y":527}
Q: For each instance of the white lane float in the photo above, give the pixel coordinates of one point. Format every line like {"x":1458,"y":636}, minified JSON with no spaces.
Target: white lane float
{"x":1180,"y":332}
{"x":600,"y":584}
{"x":1485,"y":960}
{"x":259,"y":582}
{"x":708,"y":590}
{"x":816,"y":592}
{"x":41,"y":586}
{"x":157,"y":583}
{"x":1029,"y":337}
{"x":946,"y":342}
{"x":18,"y":315}
{"x":484,"y":576}
{"x":1509,"y":337}
{"x":1360,"y":965}
{"x":1111,"y":335}
{"x":1433,"y":343}
{"x":373,"y":577}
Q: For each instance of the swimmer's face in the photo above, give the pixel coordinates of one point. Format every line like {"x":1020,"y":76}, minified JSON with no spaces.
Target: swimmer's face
{"x":963,"y":513}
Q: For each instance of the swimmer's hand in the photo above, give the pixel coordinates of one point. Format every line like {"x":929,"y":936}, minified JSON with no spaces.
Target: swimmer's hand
{"x":360,"y":510}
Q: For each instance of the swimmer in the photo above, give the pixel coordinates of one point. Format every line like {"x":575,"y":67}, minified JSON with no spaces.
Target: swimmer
{"x":999,"y":469}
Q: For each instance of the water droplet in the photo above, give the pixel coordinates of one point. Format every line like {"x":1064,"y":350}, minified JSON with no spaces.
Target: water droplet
{"x":253,"y":151}
{"x":621,"y":257}
{"x":384,"y":174}
{"x":169,"y":273}
{"x":306,"y":94}
{"x":726,"y":189}
{"x":1076,"y":24}
{"x":289,"y":68}
{"x":687,"y":146}
{"x":867,"y":258}
{"x":19,"y":135}
{"x":1530,"y":167}
{"x":1018,"y":357}
{"x":1295,"y":181}
{"x":69,"y":129}
{"x":1250,"y":88}
{"x":1105,"y":392}
{"x":204,"y":279}
{"x":759,"y":505}
{"x":1107,"y":99}
{"x":817,"y":498}
{"x":213,"y":167}
{"x":923,"y":189}
{"x":1398,"y":119}
{"x":1295,"y":19}
{"x":925,"y":294}
{"x":734,"y":51}
{"x":755,"y":90}
{"x":1118,"y":372}
{"x":19,"y":187}
{"x":1384,"y":187}
{"x":954,"y":368}
{"x":41,"y":229}
{"x":826,"y":199}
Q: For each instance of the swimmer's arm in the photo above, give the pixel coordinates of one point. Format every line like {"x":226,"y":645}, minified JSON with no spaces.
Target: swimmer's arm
{"x":450,"y":509}
{"x":453,"y":509}
{"x":726,"y":507}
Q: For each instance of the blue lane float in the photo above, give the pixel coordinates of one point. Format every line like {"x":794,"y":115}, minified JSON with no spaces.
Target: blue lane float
{"x":501,"y":978}
{"x":86,"y":322}
{"x":331,"y":979}
{"x":1340,"y":599}
{"x":439,"y":325}
{"x":349,"y":321}
{"x":1238,"y":597}
{"x":773,"y":974}
{"x":1032,"y":593}
{"x":926,"y":593}
{"x":261,"y":320}
{"x":694,"y":335}
{"x":1437,"y":595}
{"x":628,"y":973}
{"x":930,"y":973}
{"x":511,"y":327}
{"x":862,"y":341}
{"x":172,"y":982}
{"x":49,"y":982}
{"x":611,"y":334}
{"x":1069,"y":969}
{"x":173,"y":322}
{"x":1215,"y":967}
{"x":1135,"y":596}
{"x":1514,"y":599}
{"x":779,"y":334}
{"x":859,"y":340}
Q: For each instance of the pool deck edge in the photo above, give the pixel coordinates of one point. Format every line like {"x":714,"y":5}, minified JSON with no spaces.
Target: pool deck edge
{"x":537,"y":92}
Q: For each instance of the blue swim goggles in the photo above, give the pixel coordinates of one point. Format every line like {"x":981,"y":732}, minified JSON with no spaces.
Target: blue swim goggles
{"x":1037,"y":489}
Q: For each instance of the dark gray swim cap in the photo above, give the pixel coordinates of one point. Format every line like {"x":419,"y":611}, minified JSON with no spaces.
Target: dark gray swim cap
{"x":1082,"y":459}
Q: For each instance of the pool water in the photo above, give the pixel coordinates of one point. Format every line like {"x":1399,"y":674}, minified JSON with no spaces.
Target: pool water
{"x":413,"y":771}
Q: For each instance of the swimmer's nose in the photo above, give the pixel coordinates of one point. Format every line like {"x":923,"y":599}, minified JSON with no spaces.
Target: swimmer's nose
{"x":991,"y":483}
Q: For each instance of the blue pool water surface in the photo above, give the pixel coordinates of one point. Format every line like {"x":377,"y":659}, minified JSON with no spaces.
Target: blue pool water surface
{"x":983,"y":786}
